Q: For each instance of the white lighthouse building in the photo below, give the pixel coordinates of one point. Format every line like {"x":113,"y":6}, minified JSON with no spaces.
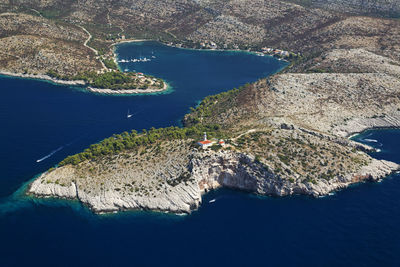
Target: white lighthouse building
{"x":205,"y":143}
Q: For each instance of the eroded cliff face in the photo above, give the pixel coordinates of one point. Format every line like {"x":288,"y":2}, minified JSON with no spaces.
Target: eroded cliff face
{"x":181,"y":198}
{"x":205,"y":171}
{"x":241,"y":171}
{"x":150,"y":179}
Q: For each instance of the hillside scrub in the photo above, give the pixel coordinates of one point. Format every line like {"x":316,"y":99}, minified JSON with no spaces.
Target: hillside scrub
{"x":132,"y":140}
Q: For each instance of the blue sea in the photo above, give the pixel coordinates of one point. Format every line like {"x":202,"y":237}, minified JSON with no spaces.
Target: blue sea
{"x":41,"y":123}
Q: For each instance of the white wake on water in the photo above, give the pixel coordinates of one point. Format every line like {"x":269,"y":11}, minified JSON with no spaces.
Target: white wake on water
{"x":51,"y":154}
{"x":371,"y":140}
{"x":58,"y":149}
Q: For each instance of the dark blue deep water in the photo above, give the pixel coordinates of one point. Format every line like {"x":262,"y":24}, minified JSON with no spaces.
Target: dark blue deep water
{"x":359,"y":226}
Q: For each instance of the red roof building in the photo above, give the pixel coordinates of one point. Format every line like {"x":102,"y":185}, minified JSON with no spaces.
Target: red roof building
{"x":205,"y":143}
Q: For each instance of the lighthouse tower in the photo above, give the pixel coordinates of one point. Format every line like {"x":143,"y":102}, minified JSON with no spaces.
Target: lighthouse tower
{"x":205,"y":143}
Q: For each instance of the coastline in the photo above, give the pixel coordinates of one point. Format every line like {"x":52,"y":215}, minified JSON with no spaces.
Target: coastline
{"x":186,"y":198}
{"x":113,"y":201}
{"x":42,"y":77}
{"x":256,"y":53}
{"x":81,"y":83}
{"x":353,"y":135}
{"x":131,"y":41}
{"x":357,"y":126}
{"x":129,"y":91}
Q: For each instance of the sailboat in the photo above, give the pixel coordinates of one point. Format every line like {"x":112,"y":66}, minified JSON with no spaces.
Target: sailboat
{"x":128,"y":115}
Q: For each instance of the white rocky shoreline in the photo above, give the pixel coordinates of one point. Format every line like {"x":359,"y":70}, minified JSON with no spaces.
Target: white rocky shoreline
{"x":83,"y":84}
{"x":43,"y":77}
{"x":127,"y":91}
{"x":358,"y":125}
{"x":208,"y":170}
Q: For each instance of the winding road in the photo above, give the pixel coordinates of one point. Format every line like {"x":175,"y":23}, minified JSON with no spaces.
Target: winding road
{"x":91,"y":48}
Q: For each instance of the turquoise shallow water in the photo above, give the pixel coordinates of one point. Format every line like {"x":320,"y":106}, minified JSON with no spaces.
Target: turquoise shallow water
{"x":358,"y":226}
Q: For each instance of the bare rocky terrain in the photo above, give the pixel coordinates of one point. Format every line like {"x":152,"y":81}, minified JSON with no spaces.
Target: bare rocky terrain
{"x":35,"y":45}
{"x":388,"y":8}
{"x":172,"y":176}
{"x":308,"y":29}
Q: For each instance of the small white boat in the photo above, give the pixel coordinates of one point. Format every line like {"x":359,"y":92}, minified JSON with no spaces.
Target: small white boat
{"x":145,"y":59}
{"x":212,"y":200}
{"x":128,"y":115}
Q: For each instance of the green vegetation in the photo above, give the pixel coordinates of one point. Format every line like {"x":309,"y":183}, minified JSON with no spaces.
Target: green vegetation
{"x":133,"y":140}
{"x":50,"y":14}
{"x":207,"y":106}
{"x":317,"y":70}
{"x":110,"y":63}
{"x":112,"y":80}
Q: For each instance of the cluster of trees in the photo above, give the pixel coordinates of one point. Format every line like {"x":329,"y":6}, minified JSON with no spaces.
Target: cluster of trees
{"x":55,"y":74}
{"x":133,"y":140}
{"x":110,"y":63}
{"x":109,"y":80}
{"x":206,"y":107}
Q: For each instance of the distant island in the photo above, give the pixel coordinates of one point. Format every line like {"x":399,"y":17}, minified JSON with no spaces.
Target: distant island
{"x":283,"y":135}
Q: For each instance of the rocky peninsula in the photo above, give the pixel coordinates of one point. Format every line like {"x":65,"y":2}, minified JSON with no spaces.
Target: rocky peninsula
{"x":173,"y":176}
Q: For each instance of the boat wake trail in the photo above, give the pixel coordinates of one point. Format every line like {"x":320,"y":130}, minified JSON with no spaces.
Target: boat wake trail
{"x":55,"y":151}
{"x":51,"y":154}
{"x":371,"y":140}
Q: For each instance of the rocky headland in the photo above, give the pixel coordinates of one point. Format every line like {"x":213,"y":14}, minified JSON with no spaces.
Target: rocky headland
{"x":177,"y":182}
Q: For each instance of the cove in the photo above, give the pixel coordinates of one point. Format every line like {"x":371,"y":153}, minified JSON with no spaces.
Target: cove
{"x":357,"y":226}
{"x":40,"y":119}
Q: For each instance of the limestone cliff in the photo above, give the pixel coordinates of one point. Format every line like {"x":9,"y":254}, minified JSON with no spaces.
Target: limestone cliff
{"x":206,"y":171}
